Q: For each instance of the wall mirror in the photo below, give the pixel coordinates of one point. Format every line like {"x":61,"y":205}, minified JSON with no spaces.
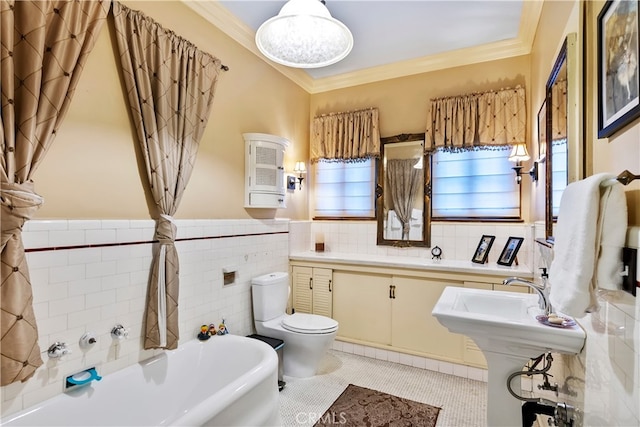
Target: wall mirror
{"x":564,"y":149}
{"x":403,"y":192}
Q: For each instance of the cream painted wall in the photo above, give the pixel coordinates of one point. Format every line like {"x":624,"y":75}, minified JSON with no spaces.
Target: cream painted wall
{"x":92,"y":170}
{"x":620,"y":151}
{"x":603,"y":381}
{"x":404,"y":102}
{"x":558,"y":18}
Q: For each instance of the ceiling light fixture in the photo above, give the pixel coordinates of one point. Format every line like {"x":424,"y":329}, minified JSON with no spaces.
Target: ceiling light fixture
{"x":304,"y":35}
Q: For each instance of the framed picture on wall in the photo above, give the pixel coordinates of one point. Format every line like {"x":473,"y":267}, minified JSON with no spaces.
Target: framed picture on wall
{"x":482,"y":251}
{"x":508,"y":254}
{"x":542,"y":132}
{"x":618,"y":77}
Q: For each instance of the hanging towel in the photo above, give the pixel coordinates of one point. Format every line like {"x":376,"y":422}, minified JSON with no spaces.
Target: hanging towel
{"x":394,"y":222}
{"x":589,"y":216}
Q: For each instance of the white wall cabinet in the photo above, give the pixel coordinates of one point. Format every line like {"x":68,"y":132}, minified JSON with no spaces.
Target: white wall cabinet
{"x":312,"y":290}
{"x":264,"y":170}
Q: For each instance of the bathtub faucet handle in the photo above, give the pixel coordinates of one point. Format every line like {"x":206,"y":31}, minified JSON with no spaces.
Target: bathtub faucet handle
{"x":57,"y":350}
{"x":119,"y":332}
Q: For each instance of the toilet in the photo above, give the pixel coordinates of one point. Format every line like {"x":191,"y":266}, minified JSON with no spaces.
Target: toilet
{"x":307,"y":337}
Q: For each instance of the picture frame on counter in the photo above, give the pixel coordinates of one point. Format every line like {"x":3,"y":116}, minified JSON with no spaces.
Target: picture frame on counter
{"x":510,"y":251}
{"x":482,"y":251}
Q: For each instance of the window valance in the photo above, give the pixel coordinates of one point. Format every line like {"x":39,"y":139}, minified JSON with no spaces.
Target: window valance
{"x":478,"y":120}
{"x":348,"y":136}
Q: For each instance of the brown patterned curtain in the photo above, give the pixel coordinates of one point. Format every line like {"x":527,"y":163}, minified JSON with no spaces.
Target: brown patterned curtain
{"x":171,"y":85}
{"x":468,"y":122}
{"x":353,"y":135}
{"x":403,"y":181}
{"x":44,"y":47}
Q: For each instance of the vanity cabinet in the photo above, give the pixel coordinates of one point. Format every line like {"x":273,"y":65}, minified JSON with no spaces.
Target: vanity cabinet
{"x":312,"y":290}
{"x":392,"y":311}
{"x":390,"y":307}
{"x":362,"y":306}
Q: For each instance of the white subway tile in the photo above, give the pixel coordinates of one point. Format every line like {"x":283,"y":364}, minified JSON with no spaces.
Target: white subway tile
{"x":66,"y":273}
{"x":66,"y":238}
{"x":35,"y":239}
{"x":94,"y":237}
{"x":45,"y":225}
{"x":66,"y":305}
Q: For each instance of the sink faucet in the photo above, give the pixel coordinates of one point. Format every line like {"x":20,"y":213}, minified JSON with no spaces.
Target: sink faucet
{"x":542,"y":290}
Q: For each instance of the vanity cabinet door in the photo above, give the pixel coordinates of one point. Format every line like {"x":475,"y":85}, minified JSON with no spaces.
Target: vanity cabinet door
{"x":413,"y":326}
{"x":322,"y":297}
{"x":362,"y":306}
{"x":302,"y":283}
{"x":312,"y":290}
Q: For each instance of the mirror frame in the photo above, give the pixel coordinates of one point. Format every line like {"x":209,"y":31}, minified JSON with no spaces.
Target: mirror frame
{"x":568,"y":55}
{"x":426,"y":205}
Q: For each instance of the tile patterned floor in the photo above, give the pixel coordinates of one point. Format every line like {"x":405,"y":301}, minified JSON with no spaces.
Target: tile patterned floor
{"x":303,"y":401}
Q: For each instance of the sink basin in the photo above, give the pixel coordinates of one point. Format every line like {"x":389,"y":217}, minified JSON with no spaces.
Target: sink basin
{"x":505,"y":322}
{"x":504,"y":326}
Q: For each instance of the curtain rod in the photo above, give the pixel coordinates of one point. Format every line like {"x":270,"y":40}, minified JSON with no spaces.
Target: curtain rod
{"x":346,"y":112}
{"x":477,"y":93}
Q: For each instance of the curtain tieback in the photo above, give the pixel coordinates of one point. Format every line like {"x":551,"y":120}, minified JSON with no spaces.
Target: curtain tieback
{"x":19,"y":203}
{"x":166,"y":229}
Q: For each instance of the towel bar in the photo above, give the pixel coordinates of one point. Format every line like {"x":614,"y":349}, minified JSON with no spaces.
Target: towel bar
{"x":624,"y":178}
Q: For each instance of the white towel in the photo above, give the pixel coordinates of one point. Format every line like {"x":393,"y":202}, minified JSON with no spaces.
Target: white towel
{"x":394,"y":222}
{"x":588,"y":216}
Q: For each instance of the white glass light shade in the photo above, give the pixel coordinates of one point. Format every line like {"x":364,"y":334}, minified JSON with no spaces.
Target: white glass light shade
{"x":300,"y":168}
{"x":519,"y":153}
{"x":304,"y":35}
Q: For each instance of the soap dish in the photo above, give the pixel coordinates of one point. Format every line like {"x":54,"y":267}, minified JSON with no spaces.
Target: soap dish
{"x":566,"y":322}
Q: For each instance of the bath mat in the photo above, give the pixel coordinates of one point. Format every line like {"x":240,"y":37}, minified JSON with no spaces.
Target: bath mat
{"x":359,"y":407}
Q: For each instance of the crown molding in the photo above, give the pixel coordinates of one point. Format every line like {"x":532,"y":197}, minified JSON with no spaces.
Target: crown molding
{"x":228,"y":23}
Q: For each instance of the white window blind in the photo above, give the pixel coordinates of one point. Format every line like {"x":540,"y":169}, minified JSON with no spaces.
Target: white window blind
{"x":559,"y":172}
{"x":345,"y":189}
{"x":474,"y":184}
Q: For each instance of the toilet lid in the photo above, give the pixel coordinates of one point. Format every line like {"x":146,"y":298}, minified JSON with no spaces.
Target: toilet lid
{"x":309,"y":323}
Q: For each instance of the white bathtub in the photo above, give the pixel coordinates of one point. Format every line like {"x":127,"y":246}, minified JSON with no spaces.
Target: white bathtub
{"x":228,"y":380}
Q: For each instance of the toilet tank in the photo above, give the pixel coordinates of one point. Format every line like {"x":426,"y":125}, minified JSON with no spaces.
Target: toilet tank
{"x":270,"y":294}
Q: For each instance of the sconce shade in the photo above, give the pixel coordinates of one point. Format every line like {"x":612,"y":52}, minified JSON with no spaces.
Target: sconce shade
{"x":300,"y":168}
{"x":519,"y":153}
{"x":304,"y":35}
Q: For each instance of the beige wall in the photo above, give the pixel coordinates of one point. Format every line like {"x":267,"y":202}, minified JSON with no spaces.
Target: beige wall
{"x":91,"y":170}
{"x":404,"y":102}
{"x":620,"y":151}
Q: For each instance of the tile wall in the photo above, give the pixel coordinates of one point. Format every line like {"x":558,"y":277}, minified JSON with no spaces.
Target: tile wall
{"x":458,"y":241}
{"x":102,"y":281}
{"x":603,"y":381}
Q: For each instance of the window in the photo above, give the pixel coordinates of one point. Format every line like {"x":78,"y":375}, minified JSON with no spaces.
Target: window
{"x":559,"y":172}
{"x":345,"y":190}
{"x":474,"y":185}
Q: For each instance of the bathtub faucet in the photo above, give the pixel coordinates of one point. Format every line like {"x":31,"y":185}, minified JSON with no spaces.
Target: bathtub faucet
{"x":57,"y":350}
{"x":542,"y":290}
{"x":119,"y":332}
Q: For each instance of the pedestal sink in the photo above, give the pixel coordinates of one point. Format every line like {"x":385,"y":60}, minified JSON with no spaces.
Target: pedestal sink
{"x":504,"y":326}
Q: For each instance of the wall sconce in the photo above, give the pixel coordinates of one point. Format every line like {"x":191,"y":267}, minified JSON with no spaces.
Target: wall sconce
{"x":520,"y":154}
{"x":300,"y":169}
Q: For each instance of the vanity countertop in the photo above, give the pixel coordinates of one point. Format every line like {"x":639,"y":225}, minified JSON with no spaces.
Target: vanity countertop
{"x":414,"y":263}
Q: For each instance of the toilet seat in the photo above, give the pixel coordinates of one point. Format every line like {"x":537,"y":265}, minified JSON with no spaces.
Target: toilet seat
{"x":309,"y":324}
